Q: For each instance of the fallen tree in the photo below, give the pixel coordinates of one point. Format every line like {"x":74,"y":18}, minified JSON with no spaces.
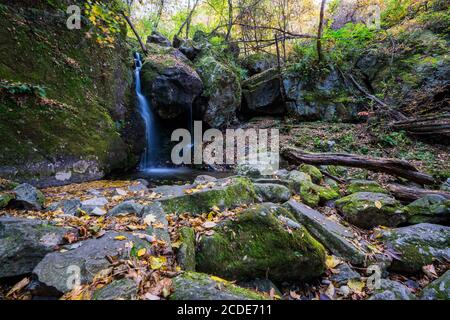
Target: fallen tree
{"x":411,"y":194}
{"x":393,"y":167}
{"x":425,"y":126}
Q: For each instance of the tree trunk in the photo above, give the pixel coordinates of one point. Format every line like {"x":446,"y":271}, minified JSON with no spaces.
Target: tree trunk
{"x":411,"y":194}
{"x":393,"y":167}
{"x":320,"y":31}
{"x":144,"y":49}
{"x":230,"y":19}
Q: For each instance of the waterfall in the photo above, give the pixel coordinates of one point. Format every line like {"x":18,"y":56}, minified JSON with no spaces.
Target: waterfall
{"x":148,"y":159}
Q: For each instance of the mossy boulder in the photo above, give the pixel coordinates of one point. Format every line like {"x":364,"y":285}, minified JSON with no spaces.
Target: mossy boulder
{"x":312,"y":171}
{"x":367,"y":210}
{"x":417,"y":246}
{"x":258,"y":62}
{"x":123,"y":289}
{"x":222,"y":94}
{"x":311,"y":194}
{"x":199,"y":286}
{"x":429,"y":209}
{"x":356,"y":186}
{"x":5,"y":199}
{"x":270,"y":192}
{"x":439,"y":289}
{"x":226,"y":193}
{"x":170,"y":82}
{"x":186,"y":251}
{"x":258,"y":245}
{"x":325,"y":193}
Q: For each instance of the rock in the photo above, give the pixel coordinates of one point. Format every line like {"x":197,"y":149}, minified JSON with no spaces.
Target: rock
{"x":334,"y":236}
{"x":99,"y":212}
{"x":138,"y":187}
{"x":392,"y":290}
{"x":301,"y":184}
{"x":257,"y":245}
{"x":227,"y":193}
{"x":126,"y":208}
{"x":170,"y":82}
{"x":222,"y":94}
{"x":5,"y":199}
{"x":154,"y":214}
{"x":69,"y":207}
{"x":259,"y":62}
{"x":27,"y":197}
{"x":437,"y":290}
{"x":94,"y":203}
{"x":299,"y":181}
{"x":262,"y":285}
{"x":272,"y":192}
{"x":367,"y":210}
{"x":120,"y":192}
{"x":345,"y":273}
{"x":24,"y":243}
{"x":417,"y":246}
{"x":157,"y":38}
{"x":312,"y":171}
{"x":88,"y":257}
{"x":262,"y":94}
{"x":186,"y":251}
{"x":446,"y":185}
{"x":198,"y":286}
{"x":203,"y":179}
{"x":254,"y":167}
{"x":123,"y":289}
{"x":325,"y":193}
{"x":356,"y":186}
{"x":188,"y":47}
{"x":319,"y":97}
{"x":429,"y":209}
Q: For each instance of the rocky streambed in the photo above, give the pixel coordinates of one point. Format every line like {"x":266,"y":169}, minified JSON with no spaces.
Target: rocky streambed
{"x":289,"y":235}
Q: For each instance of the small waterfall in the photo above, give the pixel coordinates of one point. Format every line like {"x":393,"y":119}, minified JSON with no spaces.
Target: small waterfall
{"x":148,"y":159}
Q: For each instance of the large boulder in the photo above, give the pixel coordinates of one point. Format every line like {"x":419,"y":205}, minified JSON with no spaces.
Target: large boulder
{"x":170,"y":82}
{"x":27,"y":197}
{"x":259,"y":62}
{"x":439,"y":289}
{"x":337,"y":238}
{"x":25,"y":242}
{"x":257,"y":244}
{"x":319,"y":97}
{"x":159,"y":39}
{"x":89,"y":257}
{"x":222,"y":94}
{"x":198,"y":286}
{"x":429,"y":209}
{"x":367,"y":210}
{"x":417,"y":246}
{"x":262,"y":94}
{"x":187,"y":47}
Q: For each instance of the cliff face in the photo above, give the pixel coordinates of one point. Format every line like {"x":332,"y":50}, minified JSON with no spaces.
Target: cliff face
{"x":66,"y":106}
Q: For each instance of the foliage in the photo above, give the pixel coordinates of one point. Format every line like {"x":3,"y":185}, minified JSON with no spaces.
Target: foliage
{"x":22,"y":88}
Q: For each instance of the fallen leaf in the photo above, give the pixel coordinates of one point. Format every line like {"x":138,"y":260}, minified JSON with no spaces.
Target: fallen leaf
{"x":356,"y":286}
{"x":141,"y":252}
{"x":120,"y":238}
{"x":378,"y":204}
{"x":149,"y":219}
{"x":332,"y":262}
{"x":430,"y":271}
{"x":18,"y":286}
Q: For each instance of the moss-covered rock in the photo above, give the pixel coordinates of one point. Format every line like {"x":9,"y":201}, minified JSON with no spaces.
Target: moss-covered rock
{"x":429,"y":209}
{"x":439,"y":289}
{"x":258,"y":62}
{"x":257,"y":244}
{"x":312,"y":171}
{"x":222,"y":94}
{"x":325,"y":193}
{"x":392,"y":290}
{"x":199,"y":286}
{"x":123,"y":289}
{"x":417,"y":246}
{"x":356,"y":186}
{"x":66,"y":101}
{"x":367,"y":210}
{"x":227,"y":193}
{"x":186,"y":251}
{"x":269,"y":192}
{"x":5,"y":198}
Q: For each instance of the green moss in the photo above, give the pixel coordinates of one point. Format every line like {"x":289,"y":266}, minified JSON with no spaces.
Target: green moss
{"x":313,"y":172}
{"x":186,"y":252}
{"x":325,"y":193}
{"x":5,"y":198}
{"x":365,"y":186}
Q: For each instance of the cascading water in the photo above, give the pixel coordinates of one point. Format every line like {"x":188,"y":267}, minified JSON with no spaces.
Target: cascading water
{"x":148,"y":159}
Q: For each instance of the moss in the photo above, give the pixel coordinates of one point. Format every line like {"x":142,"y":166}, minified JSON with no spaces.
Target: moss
{"x":240,"y":191}
{"x":5,"y":198}
{"x":325,"y":193}
{"x":256,"y":243}
{"x":186,"y":252}
{"x":365,"y":186}
{"x":312,"y":171}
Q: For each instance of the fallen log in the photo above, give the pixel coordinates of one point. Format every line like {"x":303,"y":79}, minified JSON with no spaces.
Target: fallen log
{"x":393,"y":167}
{"x":412,"y":194}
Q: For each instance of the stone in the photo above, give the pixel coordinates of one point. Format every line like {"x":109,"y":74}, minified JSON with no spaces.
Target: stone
{"x":262,"y":285}
{"x":99,"y":212}
{"x":25,"y":242}
{"x":90,"y":205}
{"x":416,"y":246}
{"x":367,"y":210}
{"x":88,"y":256}
{"x":158,"y":38}
{"x":429,"y":209}
{"x":188,"y":47}
{"x":257,"y":245}
{"x":439,"y":289}
{"x":198,"y":286}
{"x":186,"y":251}
{"x":356,"y":186}
{"x":203,"y":179}
{"x":259,"y":62}
{"x":5,"y":199}
{"x":69,"y":207}
{"x":446,"y":185}
{"x":392,"y":290}
{"x":154,"y":214}
{"x":333,"y":235}
{"x":312,"y":171}
{"x":123,"y":289}
{"x":138,"y":187}
{"x":345,"y":273}
{"x":272,"y":192}
{"x":126,"y":208}
{"x":27,"y":197}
